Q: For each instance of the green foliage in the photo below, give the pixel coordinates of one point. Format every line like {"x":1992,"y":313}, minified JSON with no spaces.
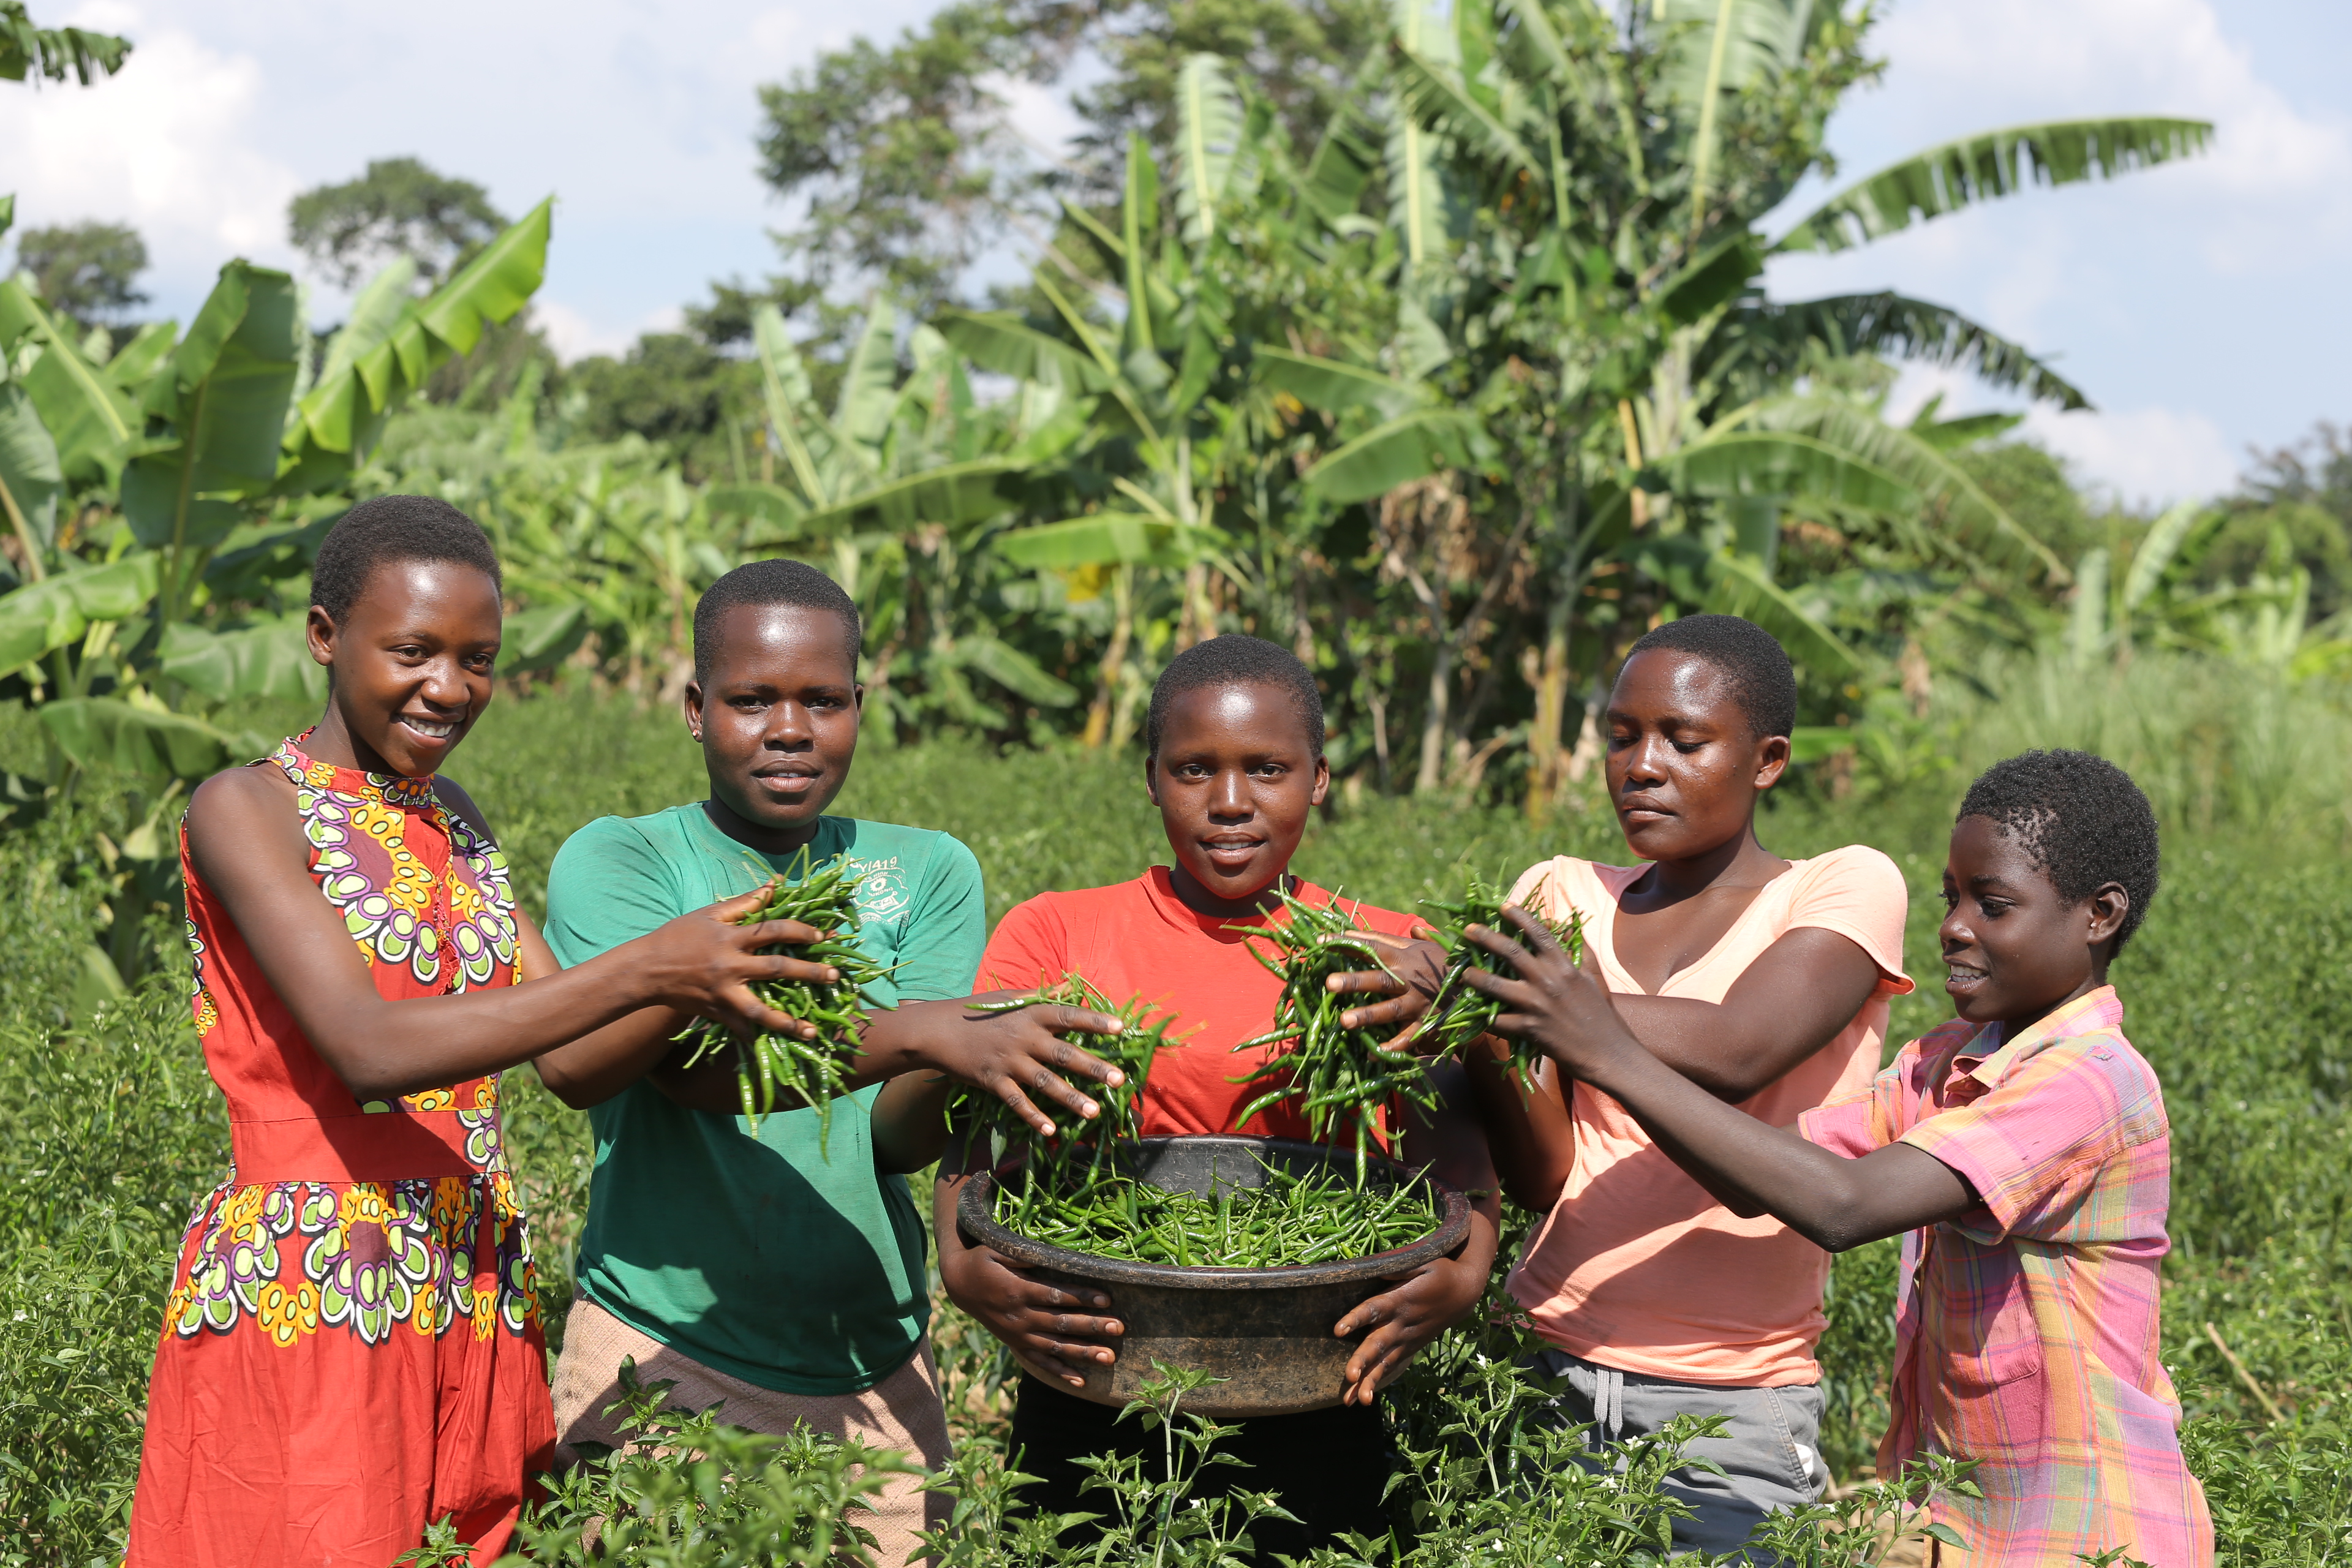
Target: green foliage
{"x":86,"y":270}
{"x":108,"y":1130}
{"x":670,"y":389}
{"x":690,"y":1490}
{"x":398,"y":207}
{"x":28,"y":50}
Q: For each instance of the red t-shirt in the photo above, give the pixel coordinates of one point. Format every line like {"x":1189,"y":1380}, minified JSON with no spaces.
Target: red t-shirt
{"x":1137,"y":939}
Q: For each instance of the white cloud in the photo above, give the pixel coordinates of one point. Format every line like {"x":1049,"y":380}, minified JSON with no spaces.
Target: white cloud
{"x":575,"y":336}
{"x":2281,"y":174}
{"x":165,"y":146}
{"x":2143,"y":457}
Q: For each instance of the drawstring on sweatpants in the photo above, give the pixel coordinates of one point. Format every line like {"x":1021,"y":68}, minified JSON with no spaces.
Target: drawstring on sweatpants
{"x":1609,"y":1403}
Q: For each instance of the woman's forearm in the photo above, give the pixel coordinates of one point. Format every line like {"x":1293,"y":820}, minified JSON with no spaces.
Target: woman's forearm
{"x":910,"y":1125}
{"x":1529,"y":1133}
{"x":1753,"y":1168}
{"x":384,"y":1048}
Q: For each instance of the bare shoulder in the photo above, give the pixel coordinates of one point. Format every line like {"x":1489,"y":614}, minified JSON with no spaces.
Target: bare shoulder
{"x":243,"y":820}
{"x":238,"y":798}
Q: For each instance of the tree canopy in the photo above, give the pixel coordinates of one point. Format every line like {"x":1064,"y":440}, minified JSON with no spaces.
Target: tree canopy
{"x":398,"y":207}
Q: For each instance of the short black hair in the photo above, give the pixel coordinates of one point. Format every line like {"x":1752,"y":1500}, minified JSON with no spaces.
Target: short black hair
{"x":1763,"y":681}
{"x":394,"y":527}
{"x":1236,"y":661}
{"x":779,"y":582}
{"x":2081,"y":819}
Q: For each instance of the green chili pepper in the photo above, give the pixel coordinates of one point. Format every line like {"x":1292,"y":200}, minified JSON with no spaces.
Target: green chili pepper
{"x":1458,"y":1014}
{"x":1335,"y":1075}
{"x":1131,"y":1050}
{"x":1289,"y":1221}
{"x":771,"y":1066}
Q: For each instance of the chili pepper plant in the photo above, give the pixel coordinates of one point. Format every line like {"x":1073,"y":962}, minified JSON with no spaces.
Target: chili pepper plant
{"x":981,"y":1114}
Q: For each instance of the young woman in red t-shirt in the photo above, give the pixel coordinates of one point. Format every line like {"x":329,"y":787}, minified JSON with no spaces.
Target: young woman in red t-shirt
{"x":1234,"y":763}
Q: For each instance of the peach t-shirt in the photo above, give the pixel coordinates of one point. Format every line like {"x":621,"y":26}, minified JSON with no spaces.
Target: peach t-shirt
{"x":1636,"y":1268}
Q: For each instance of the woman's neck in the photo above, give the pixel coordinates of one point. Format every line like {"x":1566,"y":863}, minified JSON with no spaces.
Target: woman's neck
{"x":332,"y":742}
{"x":1203,"y":902}
{"x":1739,"y":862}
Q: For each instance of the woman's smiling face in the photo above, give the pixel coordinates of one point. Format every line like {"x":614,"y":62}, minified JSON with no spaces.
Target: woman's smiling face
{"x":413,"y":662}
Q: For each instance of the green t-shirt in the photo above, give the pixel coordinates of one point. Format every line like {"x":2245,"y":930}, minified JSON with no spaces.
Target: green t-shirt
{"x":752,"y":1253}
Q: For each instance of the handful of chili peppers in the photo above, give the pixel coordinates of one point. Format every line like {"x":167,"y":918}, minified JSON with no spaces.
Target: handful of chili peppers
{"x":982,"y":1113}
{"x":1289,"y":1222}
{"x":1335,"y":1073}
{"x":771,"y":1066}
{"x":1458,"y":1014}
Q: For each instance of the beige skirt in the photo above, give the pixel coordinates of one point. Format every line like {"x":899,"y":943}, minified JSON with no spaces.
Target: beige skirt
{"x":901,"y":1413}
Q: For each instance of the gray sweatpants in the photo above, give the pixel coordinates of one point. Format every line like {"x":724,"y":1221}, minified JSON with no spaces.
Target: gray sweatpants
{"x":1770,"y":1453}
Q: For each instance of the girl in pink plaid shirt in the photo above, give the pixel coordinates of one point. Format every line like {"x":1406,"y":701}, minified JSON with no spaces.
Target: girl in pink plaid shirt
{"x":2022,"y":1151}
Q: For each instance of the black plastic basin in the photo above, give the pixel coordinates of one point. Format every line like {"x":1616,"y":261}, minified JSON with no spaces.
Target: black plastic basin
{"x":1265,"y":1332}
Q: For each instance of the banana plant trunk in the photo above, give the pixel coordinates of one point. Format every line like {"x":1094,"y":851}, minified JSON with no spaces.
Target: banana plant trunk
{"x":1099,"y":716}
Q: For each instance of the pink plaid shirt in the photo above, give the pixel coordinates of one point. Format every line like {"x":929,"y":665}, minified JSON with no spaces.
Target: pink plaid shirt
{"x":2026,"y":1331}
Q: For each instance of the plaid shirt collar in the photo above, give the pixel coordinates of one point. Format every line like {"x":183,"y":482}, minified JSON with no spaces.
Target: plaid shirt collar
{"x":2097,"y":1010}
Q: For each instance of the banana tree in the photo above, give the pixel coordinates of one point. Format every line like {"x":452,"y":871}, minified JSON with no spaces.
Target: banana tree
{"x":1187,"y":349}
{"x":896,"y":485}
{"x":192,"y":442}
{"x":1622,"y":175}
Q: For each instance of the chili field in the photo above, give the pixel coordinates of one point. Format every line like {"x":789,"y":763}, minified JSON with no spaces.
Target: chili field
{"x":2239,"y":990}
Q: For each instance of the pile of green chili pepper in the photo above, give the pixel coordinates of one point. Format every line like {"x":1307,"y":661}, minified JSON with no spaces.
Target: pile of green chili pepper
{"x":1289,"y":1222}
{"x":816,"y":1070}
{"x":1458,"y":1015}
{"x":1333,"y":1073}
{"x":981,"y":1114}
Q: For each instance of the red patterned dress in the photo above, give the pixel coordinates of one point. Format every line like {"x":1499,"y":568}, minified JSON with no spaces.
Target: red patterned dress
{"x":351,"y":1350}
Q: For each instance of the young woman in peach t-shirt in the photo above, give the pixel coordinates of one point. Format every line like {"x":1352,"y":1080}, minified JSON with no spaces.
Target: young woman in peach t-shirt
{"x":1767,"y":982}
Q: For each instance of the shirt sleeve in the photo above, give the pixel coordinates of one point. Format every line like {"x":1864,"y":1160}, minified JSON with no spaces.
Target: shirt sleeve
{"x":1539,"y":889}
{"x":1031,"y":947}
{"x":947,"y":928}
{"x":2034,"y":1145}
{"x":608,"y":886}
{"x":1858,"y":893}
{"x":1868,"y":1120}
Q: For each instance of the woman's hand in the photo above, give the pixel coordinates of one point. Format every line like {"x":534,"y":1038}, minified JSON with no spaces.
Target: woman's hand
{"x":1430,"y":1300}
{"x":1555,"y":1004}
{"x":1014,"y":1052}
{"x":1045,"y":1325}
{"x":1414,"y":968}
{"x":705,"y":964}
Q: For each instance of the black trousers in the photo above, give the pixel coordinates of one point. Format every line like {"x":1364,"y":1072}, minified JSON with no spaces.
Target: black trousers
{"x":1328,"y":1466}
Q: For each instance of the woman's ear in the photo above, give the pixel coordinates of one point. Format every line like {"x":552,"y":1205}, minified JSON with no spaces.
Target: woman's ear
{"x":1322,"y":781}
{"x":1771,"y":761}
{"x":691,"y":704}
{"x":1150,"y":779}
{"x":319,"y":631}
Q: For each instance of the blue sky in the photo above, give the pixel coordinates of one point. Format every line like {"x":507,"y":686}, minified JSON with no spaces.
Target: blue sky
{"x":2200,"y":306}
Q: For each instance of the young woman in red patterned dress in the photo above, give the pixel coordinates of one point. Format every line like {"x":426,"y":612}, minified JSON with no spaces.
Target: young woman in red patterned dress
{"x":351,"y":1350}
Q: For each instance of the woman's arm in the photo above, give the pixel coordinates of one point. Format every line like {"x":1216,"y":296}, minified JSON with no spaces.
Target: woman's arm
{"x":1797,"y":996}
{"x":1834,"y":1201}
{"x":1446,"y":1143}
{"x":1046,"y":1325}
{"x":1529,"y":1135}
{"x":247,"y":846}
{"x":910,"y":1123}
